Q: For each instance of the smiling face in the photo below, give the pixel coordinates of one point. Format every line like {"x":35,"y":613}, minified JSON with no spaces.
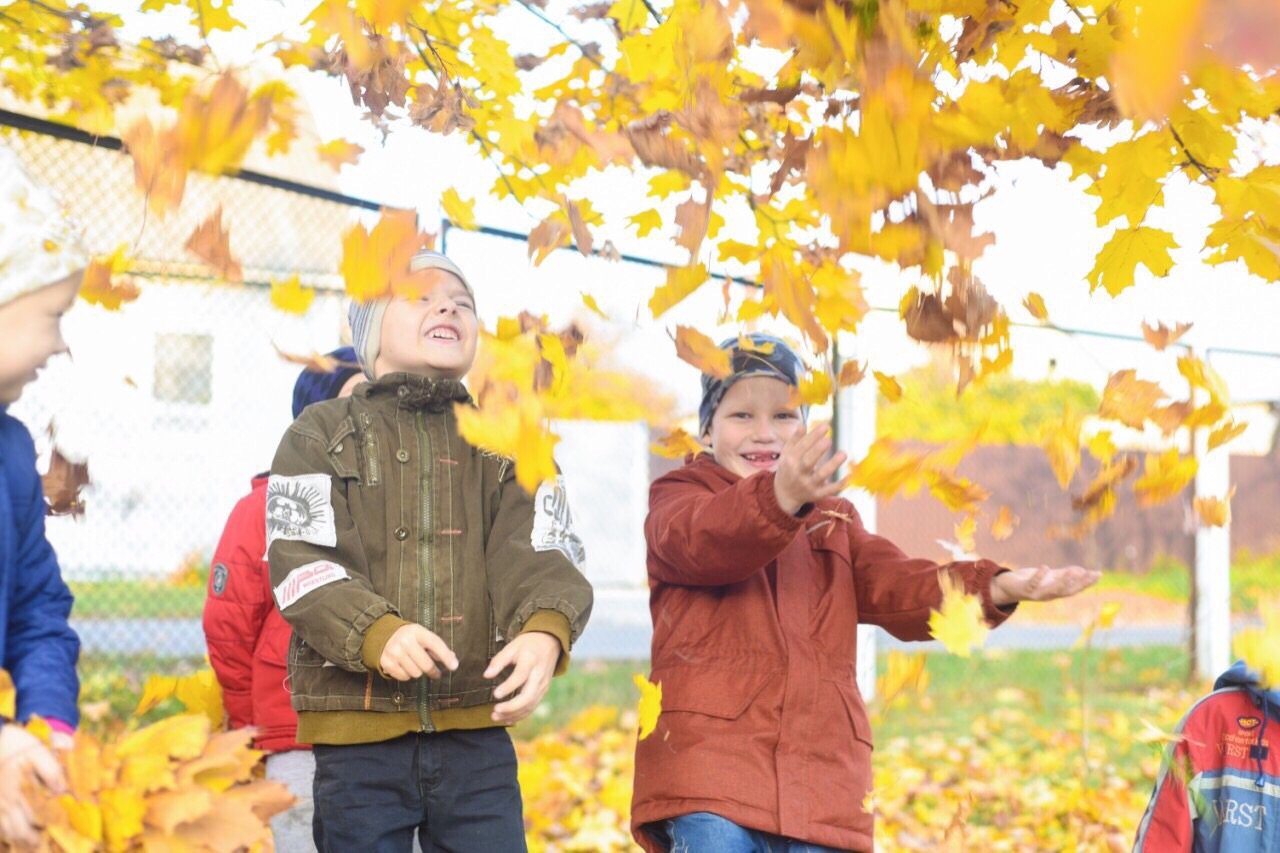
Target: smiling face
{"x":752,"y":423}
{"x":31,"y":333}
{"x":431,"y":336}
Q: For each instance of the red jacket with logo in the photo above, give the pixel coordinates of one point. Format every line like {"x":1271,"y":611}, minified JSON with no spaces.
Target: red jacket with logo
{"x":755,"y":615}
{"x":248,"y":638}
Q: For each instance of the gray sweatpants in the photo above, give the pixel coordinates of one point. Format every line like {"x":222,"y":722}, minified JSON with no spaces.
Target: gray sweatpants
{"x":291,"y":829}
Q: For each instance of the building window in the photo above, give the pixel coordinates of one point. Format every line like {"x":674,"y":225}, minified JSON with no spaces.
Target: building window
{"x":184,"y":369}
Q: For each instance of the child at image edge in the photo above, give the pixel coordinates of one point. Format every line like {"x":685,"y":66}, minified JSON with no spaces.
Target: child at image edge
{"x":430,"y":596}
{"x":759,"y":576}
{"x":41,"y":264}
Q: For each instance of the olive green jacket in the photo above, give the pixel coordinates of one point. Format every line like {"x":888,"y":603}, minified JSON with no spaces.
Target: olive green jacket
{"x":380,"y":514}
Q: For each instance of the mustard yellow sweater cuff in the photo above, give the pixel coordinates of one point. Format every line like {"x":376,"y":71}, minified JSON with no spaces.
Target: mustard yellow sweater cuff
{"x":375,"y":640}
{"x":550,"y":622}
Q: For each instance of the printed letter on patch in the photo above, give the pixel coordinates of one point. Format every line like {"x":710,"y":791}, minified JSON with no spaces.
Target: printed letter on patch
{"x":553,"y":523}
{"x":304,"y":579}
{"x":299,"y":508}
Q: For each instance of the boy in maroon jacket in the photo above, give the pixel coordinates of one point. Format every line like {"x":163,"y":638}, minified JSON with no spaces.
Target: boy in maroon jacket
{"x":248,"y":638}
{"x":759,"y":576}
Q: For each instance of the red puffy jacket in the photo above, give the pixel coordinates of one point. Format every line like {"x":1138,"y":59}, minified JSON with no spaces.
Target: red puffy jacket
{"x":248,"y":638}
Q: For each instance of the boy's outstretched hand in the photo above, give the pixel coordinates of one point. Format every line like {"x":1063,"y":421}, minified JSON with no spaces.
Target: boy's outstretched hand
{"x":804,"y":471}
{"x":23,"y":756}
{"x":413,"y":651}
{"x":1040,"y":584}
{"x":534,"y":656}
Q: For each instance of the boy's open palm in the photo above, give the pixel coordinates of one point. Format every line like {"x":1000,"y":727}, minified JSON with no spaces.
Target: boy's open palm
{"x":413,"y":651}
{"x":23,"y":756}
{"x":804,"y":471}
{"x":533,"y":658}
{"x":1041,"y":583}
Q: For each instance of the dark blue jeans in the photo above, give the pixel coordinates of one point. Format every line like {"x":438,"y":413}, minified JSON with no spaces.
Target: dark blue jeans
{"x":456,"y":789}
{"x":703,"y":832}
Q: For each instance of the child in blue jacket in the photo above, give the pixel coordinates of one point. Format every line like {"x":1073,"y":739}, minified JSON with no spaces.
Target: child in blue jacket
{"x":41,"y":265}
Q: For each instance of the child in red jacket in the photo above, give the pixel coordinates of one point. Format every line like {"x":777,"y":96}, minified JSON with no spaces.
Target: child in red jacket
{"x":759,"y":576}
{"x":248,"y":638}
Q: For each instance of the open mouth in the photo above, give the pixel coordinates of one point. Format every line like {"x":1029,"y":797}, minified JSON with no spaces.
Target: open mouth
{"x":761,"y":459}
{"x":446,"y":334}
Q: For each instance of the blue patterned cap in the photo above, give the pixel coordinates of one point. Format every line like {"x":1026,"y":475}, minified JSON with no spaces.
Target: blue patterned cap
{"x":780,"y":362}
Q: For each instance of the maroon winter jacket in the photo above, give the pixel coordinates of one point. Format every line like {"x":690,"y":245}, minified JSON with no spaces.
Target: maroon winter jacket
{"x":755,"y":616}
{"x":248,"y":638}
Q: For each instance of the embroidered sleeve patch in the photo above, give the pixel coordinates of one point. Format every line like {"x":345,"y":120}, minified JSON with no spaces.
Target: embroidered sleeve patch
{"x":299,"y":508}
{"x":307,"y":578}
{"x":553,"y":523}
{"x":219,"y":579}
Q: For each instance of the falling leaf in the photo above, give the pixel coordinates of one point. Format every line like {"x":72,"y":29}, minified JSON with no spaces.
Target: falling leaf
{"x":747,"y":344}
{"x":375,"y":263}
{"x":211,"y":243}
{"x":676,"y":444}
{"x":681,"y":281}
{"x":1105,"y":618}
{"x":902,"y":673}
{"x":549,"y":235}
{"x":459,"y":211}
{"x":105,"y":284}
{"x":958,"y":624}
{"x":1260,"y":647}
{"x":692,"y":219}
{"x":966,"y":530}
{"x":815,"y":388}
{"x":63,"y":483}
{"x":851,"y":373}
{"x":338,"y":153}
{"x":956,"y":493}
{"x":316,"y":362}
{"x":159,"y":167}
{"x":1164,"y":476}
{"x":1226,"y":433}
{"x":590,"y":301}
{"x":1129,"y":400}
{"x":650,"y":704}
{"x":697,"y":349}
{"x":1034,"y":303}
{"x":218,"y":123}
{"x":1003,"y":524}
{"x":581,"y":234}
{"x":889,"y":387}
{"x":1114,"y":268}
{"x":290,"y":296}
{"x":1161,"y":336}
{"x":1215,"y":512}
{"x":1099,"y":499}
{"x":1061,"y":443}
{"x":1156,"y":46}
{"x":645,"y":221}
{"x":1101,"y":446}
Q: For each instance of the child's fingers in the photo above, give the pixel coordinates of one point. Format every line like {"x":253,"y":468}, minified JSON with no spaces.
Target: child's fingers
{"x":501,"y":661}
{"x":47,"y":770}
{"x":518,"y":677}
{"x":523,"y":703}
{"x":831,"y":466}
{"x":416,"y":662}
{"x":814,"y":454}
{"x":438,"y":649}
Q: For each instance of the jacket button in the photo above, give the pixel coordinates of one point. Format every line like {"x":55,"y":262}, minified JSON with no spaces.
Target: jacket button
{"x":402,"y":533}
{"x":402,"y":455}
{"x":338,"y":448}
{"x":402,"y":391}
{"x":398,"y":697}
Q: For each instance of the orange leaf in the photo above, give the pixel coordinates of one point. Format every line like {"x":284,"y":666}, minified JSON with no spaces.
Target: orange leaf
{"x":211,"y":243}
{"x":692,"y":219}
{"x":1003,"y":525}
{"x":1161,"y":336}
{"x":549,"y":235}
{"x":1128,"y":399}
{"x":1061,"y":443}
{"x":104,"y":283}
{"x":699,"y":350}
{"x":63,"y":483}
{"x":159,"y":167}
{"x":889,"y":387}
{"x":216,"y":130}
{"x":1226,"y":433}
{"x":338,"y":153}
{"x":1164,"y":476}
{"x":676,"y":444}
{"x":1215,"y":512}
{"x":681,"y":281}
{"x":851,"y":373}
{"x":1034,"y":303}
{"x":581,"y":234}
{"x":375,"y":264}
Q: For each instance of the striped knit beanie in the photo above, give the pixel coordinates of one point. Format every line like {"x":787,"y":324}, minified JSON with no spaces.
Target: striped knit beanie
{"x":38,"y":245}
{"x":366,"y":317}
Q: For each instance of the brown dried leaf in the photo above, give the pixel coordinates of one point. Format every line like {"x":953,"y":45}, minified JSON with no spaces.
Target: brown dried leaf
{"x":549,"y":235}
{"x":316,"y":362}
{"x":692,"y":220}
{"x":697,"y":349}
{"x":851,"y":373}
{"x":63,"y":483}
{"x":211,"y":243}
{"x":1128,"y":399}
{"x":581,"y":235}
{"x":1161,"y":336}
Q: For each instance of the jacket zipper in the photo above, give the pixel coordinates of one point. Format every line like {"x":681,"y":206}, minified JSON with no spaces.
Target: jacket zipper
{"x":426,"y":585}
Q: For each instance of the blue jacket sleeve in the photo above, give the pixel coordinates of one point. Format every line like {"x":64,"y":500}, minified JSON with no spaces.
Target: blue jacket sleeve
{"x":41,"y":648}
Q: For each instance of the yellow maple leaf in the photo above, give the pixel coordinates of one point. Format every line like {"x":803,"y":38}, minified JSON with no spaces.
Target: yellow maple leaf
{"x":217,"y":128}
{"x":902,"y":673}
{"x":1128,"y":399}
{"x":104,"y":282}
{"x":958,"y":624}
{"x":1003,"y":524}
{"x":375,"y":263}
{"x":645,"y":221}
{"x":1156,"y":46}
{"x":123,"y":811}
{"x":815,"y":388}
{"x":676,"y":444}
{"x":181,"y":736}
{"x":889,"y":387}
{"x":459,"y":211}
{"x":290,"y":296}
{"x":590,"y":301}
{"x":157,"y":689}
{"x":697,"y":349}
{"x":200,"y":693}
{"x":650,"y":704}
{"x":1164,"y":476}
{"x":681,"y":281}
{"x":1061,"y":443}
{"x":630,"y":14}
{"x":1214,"y":512}
{"x":337,"y":153}
{"x":966,"y":530}
{"x":1114,"y":268}
{"x":1226,"y":433}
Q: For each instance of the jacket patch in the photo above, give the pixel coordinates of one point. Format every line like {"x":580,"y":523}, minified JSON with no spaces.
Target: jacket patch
{"x":299,"y":508}
{"x":553,"y":523}
{"x":1247,"y":723}
{"x":307,"y":578}
{"x":218,"y":581}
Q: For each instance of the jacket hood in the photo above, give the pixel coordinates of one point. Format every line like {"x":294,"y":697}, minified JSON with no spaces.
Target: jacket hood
{"x":1240,"y":675}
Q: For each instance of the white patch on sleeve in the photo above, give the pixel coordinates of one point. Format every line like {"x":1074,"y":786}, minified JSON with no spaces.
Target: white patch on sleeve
{"x":305,"y":579}
{"x":299,"y":508}
{"x":553,"y":523}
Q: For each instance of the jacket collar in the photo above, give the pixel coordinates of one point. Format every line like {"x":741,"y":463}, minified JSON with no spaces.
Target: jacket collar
{"x":413,"y":391}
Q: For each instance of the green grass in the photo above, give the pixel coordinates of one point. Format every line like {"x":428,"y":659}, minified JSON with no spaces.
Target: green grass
{"x":1171,"y":579}
{"x":124,"y":599}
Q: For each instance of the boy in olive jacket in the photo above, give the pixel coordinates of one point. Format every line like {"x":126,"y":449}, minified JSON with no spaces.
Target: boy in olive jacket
{"x":431,"y":597}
